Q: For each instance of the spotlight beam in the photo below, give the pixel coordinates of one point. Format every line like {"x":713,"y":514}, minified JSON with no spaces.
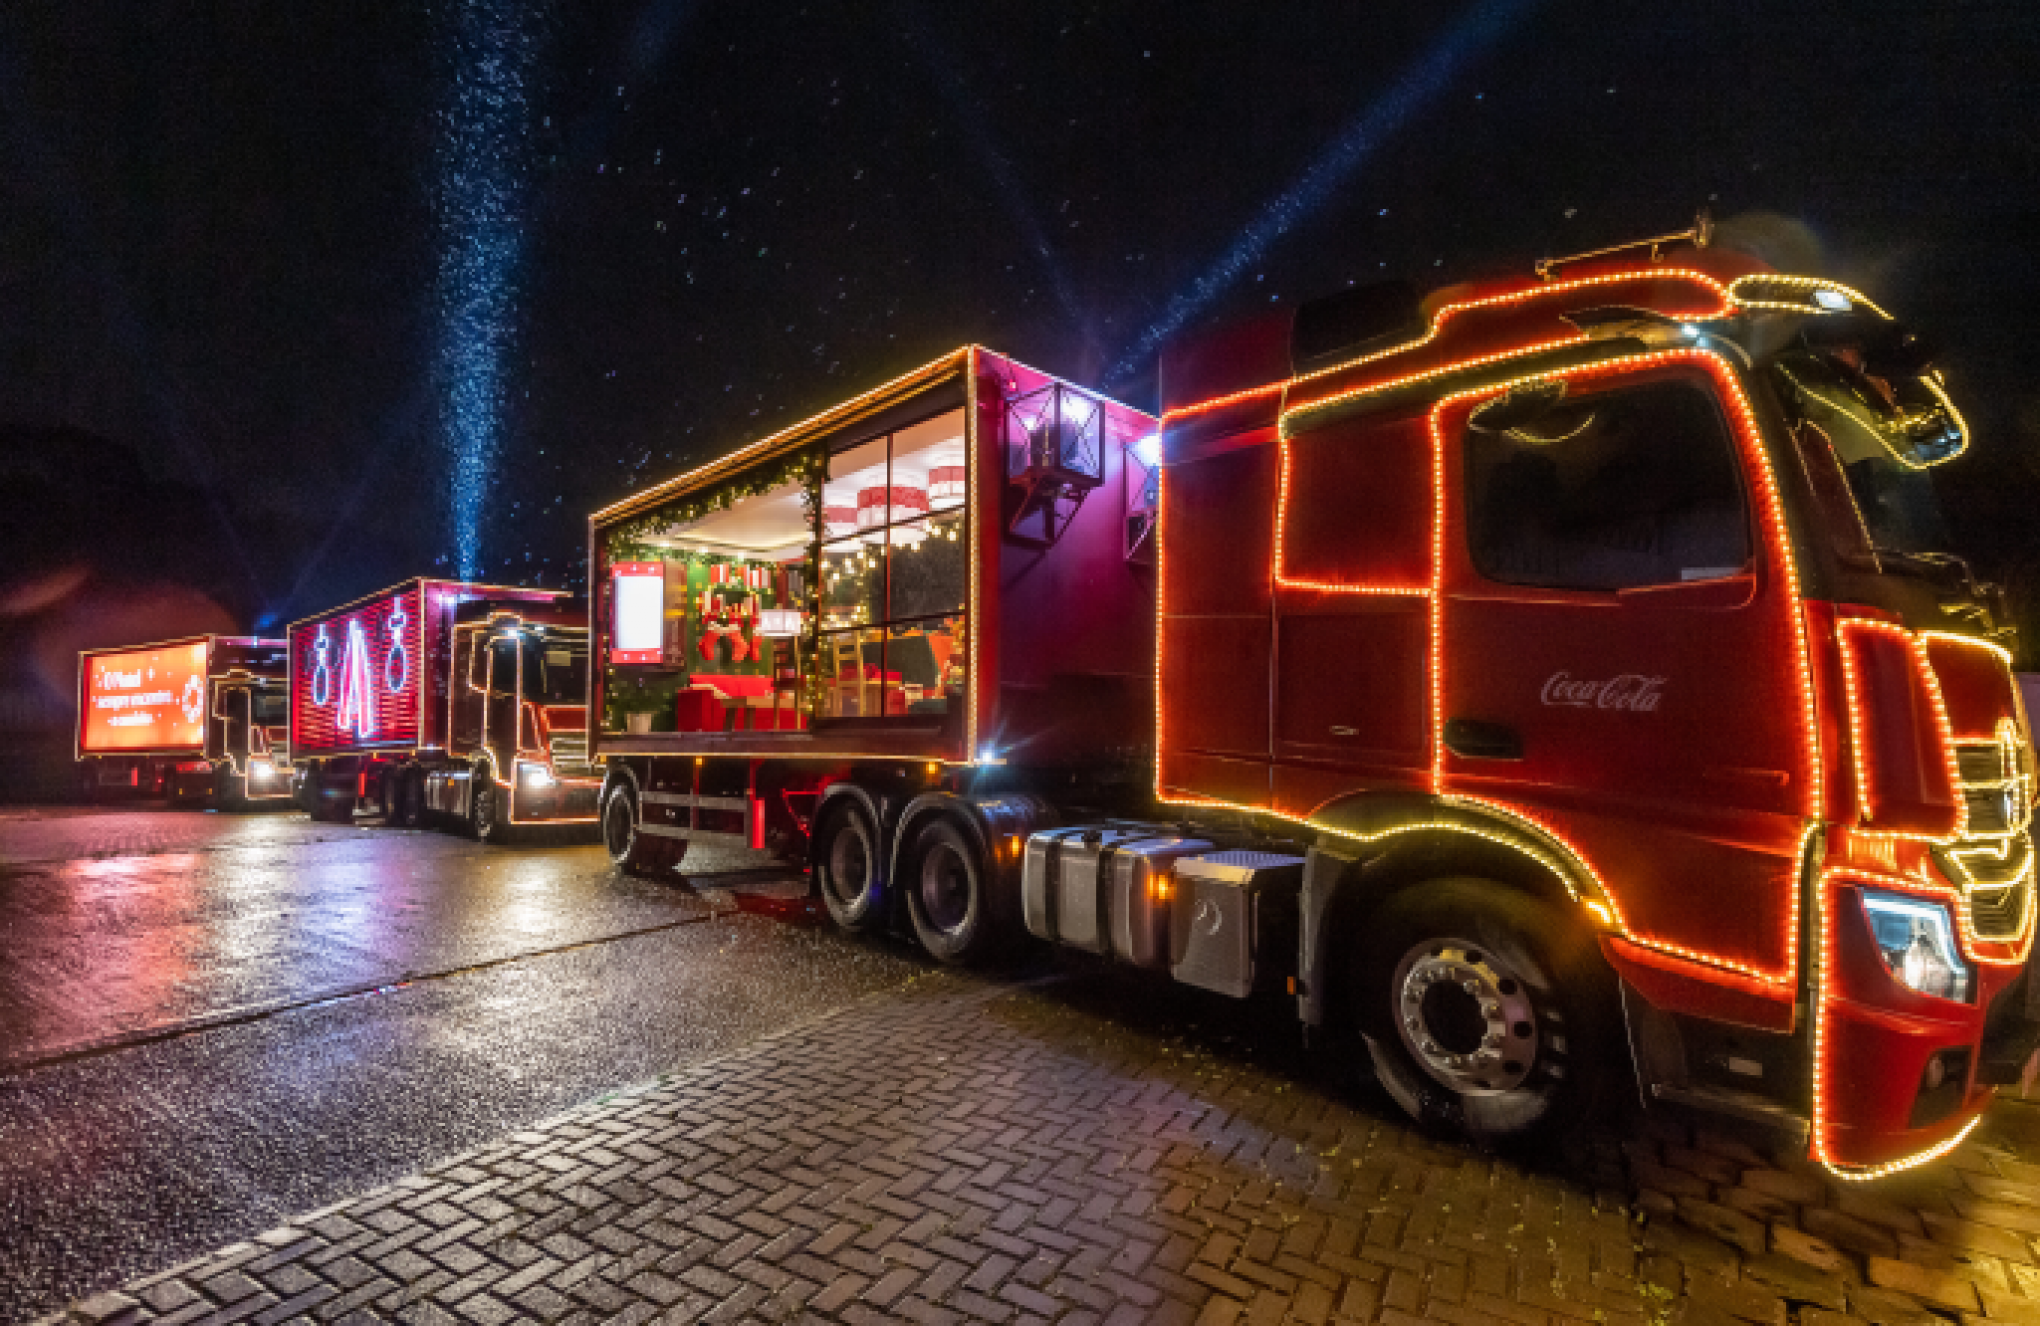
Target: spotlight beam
{"x":1479,"y":27}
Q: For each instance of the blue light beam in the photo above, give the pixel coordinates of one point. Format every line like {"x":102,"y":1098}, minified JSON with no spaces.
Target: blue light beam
{"x":1479,"y":27}
{"x":489,"y":51}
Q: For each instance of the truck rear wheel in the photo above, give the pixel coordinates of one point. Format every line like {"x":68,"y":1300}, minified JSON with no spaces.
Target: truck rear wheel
{"x":620,"y":836}
{"x":850,"y":868}
{"x":1485,"y":1011}
{"x":946,"y":895}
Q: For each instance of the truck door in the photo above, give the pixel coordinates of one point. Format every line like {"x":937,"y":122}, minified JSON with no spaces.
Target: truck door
{"x":1353,"y":611}
{"x":501,"y":712}
{"x":1620,"y":658}
{"x":229,"y":736}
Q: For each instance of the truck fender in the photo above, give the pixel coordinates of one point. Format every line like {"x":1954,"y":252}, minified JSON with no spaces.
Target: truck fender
{"x":1357,"y":830}
{"x":826,"y":802}
{"x":990,"y":820}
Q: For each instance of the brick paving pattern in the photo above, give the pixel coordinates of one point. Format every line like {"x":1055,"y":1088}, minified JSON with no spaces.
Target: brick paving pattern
{"x":976,"y":1151}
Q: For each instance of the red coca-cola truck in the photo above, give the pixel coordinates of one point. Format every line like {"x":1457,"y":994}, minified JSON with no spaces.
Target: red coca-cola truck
{"x":443,"y":701}
{"x":203,"y":719}
{"x":1547,"y":679}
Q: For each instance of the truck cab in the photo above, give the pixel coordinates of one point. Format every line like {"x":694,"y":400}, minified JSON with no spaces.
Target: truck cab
{"x":1598,"y":629}
{"x":518,"y":748}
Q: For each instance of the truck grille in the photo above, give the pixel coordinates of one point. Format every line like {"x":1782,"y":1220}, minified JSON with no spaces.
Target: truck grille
{"x":1994,"y":860}
{"x":570,"y":755}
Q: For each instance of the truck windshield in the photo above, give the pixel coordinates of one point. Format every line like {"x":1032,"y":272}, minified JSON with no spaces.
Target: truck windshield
{"x":1884,"y":434}
{"x":561,"y":673}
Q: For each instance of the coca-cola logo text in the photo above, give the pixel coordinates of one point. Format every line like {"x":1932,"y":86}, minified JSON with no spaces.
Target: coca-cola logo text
{"x":1631,"y":690}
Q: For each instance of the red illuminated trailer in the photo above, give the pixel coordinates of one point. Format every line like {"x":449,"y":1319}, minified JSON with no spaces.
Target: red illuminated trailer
{"x":397,"y":701}
{"x":1530,"y":674}
{"x":203,"y":718}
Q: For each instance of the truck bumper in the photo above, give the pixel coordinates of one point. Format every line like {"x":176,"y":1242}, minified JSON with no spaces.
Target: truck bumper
{"x":1901,"y":1077}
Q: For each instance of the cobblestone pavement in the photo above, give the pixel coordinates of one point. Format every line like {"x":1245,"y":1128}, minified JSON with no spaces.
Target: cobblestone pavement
{"x":1087,"y":1147}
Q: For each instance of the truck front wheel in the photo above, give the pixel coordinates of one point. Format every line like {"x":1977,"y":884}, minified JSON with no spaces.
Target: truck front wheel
{"x":1485,"y":1012}
{"x":486,"y":818}
{"x":850,"y":869}
{"x":946,"y":895}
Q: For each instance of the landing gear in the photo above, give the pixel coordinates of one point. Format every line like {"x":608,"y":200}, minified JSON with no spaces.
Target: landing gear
{"x":1485,"y":1011}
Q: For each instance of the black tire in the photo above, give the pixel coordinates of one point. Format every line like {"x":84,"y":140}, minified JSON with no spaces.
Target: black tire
{"x":947,"y":897}
{"x":850,"y":868}
{"x":488,"y":812}
{"x":1486,"y":1012}
{"x":230,"y":790}
{"x":620,"y":836}
{"x":403,"y":798}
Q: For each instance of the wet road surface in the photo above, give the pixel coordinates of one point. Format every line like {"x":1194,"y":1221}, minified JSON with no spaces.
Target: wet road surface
{"x":115,"y":927}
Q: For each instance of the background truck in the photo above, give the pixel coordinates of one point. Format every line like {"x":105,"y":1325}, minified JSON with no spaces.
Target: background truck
{"x":200,"y":719}
{"x":432,"y":696}
{"x":1538,"y":676}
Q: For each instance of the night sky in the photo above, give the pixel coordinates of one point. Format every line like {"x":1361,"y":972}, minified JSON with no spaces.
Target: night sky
{"x":265,"y":269}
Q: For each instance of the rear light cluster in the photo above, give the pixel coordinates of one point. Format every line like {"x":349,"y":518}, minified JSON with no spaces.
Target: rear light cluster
{"x":1916,"y":939}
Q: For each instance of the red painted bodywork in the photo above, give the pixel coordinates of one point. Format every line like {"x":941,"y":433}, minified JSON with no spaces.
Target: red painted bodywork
{"x":1320,"y":619}
{"x":410,"y":716}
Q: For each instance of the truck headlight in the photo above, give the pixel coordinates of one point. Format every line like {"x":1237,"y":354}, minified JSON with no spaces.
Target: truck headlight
{"x":1916,"y":939}
{"x":261,"y":771}
{"x":535,"y":775}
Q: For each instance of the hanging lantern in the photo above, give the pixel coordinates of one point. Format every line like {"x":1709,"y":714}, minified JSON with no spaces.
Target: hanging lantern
{"x":839,"y":522}
{"x":879,"y":507}
{"x":945,"y":486}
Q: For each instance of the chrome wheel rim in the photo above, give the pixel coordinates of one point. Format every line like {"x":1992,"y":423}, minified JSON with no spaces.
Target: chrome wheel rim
{"x":1466,"y":1017}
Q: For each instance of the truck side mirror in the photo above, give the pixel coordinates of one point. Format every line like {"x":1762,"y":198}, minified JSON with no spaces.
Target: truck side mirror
{"x":1517,"y":407}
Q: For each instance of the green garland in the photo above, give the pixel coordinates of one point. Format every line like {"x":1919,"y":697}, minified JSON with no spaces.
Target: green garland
{"x":808,"y":467}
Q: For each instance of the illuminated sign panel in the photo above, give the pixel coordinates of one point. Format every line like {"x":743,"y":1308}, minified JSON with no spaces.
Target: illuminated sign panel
{"x":639,"y":608}
{"x":143,"y":699}
{"x":356,"y":675}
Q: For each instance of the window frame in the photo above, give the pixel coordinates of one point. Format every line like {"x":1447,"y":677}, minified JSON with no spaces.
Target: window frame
{"x":1753,"y":542}
{"x":820,"y":636}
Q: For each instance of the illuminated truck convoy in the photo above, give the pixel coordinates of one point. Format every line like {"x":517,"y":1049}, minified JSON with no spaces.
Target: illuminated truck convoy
{"x":437,"y":700}
{"x":1543,"y":678}
{"x":202,"y":719}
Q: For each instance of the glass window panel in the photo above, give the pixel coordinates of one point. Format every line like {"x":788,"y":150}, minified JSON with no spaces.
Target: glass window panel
{"x":929,"y":575}
{"x":1611,"y":491}
{"x":853,"y":585}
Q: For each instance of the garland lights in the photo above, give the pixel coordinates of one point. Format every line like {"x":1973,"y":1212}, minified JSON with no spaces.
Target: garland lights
{"x":1859,"y":735}
{"x":1823,"y":1150}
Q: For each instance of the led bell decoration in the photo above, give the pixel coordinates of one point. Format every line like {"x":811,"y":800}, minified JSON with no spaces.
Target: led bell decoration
{"x":879,"y":507}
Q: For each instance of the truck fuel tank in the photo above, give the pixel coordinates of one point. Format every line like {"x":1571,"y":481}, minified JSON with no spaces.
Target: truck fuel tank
{"x":1105,"y":889}
{"x":1233,"y":919}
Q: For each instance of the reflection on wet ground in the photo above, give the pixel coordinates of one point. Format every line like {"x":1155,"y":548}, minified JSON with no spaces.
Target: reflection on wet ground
{"x":484,"y":989}
{"x":116,"y":923}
